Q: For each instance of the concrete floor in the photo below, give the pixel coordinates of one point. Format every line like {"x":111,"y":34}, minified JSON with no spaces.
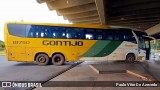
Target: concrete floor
{"x":18,"y":71}
{"x":84,"y":72}
{"x":152,"y":67}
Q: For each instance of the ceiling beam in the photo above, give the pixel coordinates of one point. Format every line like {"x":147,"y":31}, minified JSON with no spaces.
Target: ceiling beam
{"x":61,"y":4}
{"x":81,"y":15}
{"x":87,"y":21}
{"x":77,"y":9}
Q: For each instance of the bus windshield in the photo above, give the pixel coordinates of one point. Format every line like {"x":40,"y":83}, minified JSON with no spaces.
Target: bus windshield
{"x":143,"y":41}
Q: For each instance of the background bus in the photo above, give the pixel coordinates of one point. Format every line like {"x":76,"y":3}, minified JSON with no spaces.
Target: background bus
{"x":42,"y":43}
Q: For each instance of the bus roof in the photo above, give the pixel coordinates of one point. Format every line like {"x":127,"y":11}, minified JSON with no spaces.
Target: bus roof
{"x":98,"y":26}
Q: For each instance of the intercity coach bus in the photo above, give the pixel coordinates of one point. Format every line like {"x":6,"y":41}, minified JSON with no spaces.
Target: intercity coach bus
{"x":43,"y":43}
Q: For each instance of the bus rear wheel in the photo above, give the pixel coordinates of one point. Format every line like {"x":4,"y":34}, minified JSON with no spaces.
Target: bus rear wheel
{"x":58,"y":59}
{"x":130,"y":58}
{"x":42,"y":59}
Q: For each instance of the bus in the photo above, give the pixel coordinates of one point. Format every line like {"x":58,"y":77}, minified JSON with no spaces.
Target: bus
{"x":58,"y":43}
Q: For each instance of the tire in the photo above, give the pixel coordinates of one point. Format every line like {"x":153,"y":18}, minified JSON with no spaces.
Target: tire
{"x":58,"y":59}
{"x":42,"y":59}
{"x":130,"y":58}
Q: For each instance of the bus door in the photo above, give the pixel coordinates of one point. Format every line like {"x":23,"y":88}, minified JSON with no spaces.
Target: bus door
{"x":145,"y":45}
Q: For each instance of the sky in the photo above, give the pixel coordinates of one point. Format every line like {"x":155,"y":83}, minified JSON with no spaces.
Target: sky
{"x":28,"y":11}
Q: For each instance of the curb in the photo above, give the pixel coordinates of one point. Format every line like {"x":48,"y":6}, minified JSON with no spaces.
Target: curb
{"x":106,"y":72}
{"x":97,"y":71}
{"x":129,"y":72}
{"x":140,"y":76}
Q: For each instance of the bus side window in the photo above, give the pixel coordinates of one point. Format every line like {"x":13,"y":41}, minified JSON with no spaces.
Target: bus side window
{"x":58,"y":32}
{"x":75,"y":33}
{"x":90,"y":34}
{"x":17,"y":29}
{"x":55,"y":32}
{"x":31,"y":30}
{"x":28,"y":31}
{"x":48,"y":32}
{"x":116,"y":35}
{"x":98,"y":34}
{"x":130,"y":36}
{"x":69,"y":33}
{"x":124,"y":35}
{"x":39,"y":32}
{"x":80,"y":33}
{"x":108,"y":34}
{"x":127,"y":35}
{"x":35,"y":31}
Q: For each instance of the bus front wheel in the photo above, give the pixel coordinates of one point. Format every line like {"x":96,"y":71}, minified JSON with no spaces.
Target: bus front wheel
{"x":130,"y":58}
{"x":58,"y":59}
{"x":42,"y":59}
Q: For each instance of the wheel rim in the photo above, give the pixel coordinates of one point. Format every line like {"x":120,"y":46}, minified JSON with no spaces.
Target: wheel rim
{"x":130,"y":58}
{"x":42,"y":59}
{"x":57,"y":59}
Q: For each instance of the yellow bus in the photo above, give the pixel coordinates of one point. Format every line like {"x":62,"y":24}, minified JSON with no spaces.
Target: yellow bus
{"x":43,"y":43}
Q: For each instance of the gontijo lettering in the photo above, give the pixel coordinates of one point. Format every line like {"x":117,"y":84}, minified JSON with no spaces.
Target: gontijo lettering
{"x":62,"y":43}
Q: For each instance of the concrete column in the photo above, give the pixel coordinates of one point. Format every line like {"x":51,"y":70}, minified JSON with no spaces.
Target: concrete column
{"x":153,"y":30}
{"x":101,"y":10}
